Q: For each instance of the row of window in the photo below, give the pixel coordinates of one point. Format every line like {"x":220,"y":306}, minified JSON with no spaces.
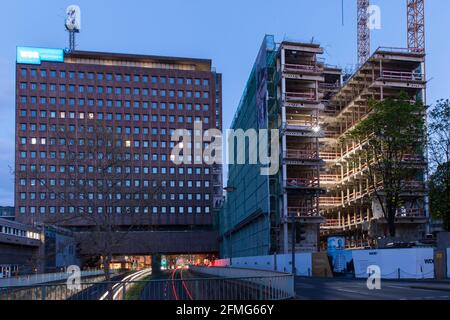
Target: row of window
{"x":117,"y":91}
{"x":72,"y":75}
{"x":128,"y":183}
{"x":136,"y":210}
{"x":43,"y":127}
{"x":81,"y":102}
{"x":42,"y":168}
{"x":42,"y":196}
{"x":188,"y":159}
{"x":118,"y":117}
{"x":101,"y":143}
{"x":18,"y":232}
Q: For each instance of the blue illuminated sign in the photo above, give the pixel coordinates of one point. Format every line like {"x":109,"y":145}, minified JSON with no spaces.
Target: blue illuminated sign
{"x":30,"y":55}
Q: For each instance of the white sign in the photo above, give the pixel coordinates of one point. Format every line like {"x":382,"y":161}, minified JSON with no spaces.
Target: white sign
{"x":416,"y":263}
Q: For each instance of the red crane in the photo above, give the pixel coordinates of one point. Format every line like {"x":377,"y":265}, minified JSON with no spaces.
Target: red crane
{"x":416,"y":25}
{"x":363,"y":31}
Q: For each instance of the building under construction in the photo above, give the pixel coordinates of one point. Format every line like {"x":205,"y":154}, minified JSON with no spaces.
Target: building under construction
{"x":321,"y":185}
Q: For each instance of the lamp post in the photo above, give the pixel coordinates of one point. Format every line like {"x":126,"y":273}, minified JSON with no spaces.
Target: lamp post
{"x":293,"y":244}
{"x":229,"y":189}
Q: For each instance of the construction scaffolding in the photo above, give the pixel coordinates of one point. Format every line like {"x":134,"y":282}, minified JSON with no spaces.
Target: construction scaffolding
{"x":321,"y":184}
{"x":349,"y":204}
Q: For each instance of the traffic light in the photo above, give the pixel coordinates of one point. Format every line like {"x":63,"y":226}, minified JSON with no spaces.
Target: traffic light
{"x":299,"y":232}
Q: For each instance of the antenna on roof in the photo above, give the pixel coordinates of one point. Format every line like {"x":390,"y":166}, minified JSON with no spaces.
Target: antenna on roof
{"x":73,"y":24}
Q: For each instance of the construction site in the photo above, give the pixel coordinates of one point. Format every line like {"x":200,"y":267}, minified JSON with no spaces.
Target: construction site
{"x":322,"y":188}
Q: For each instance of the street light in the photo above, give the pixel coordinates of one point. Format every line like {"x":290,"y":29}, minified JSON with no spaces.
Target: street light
{"x":229,"y":189}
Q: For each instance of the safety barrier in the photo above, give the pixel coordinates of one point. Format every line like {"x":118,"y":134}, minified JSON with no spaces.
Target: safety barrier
{"x":248,"y":286}
{"x":32,"y":279}
{"x":270,"y":285}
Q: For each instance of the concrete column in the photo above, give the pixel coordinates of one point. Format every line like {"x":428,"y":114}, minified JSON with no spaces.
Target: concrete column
{"x":156,"y":264}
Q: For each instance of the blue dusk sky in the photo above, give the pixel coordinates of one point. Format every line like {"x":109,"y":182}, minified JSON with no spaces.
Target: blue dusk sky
{"x":228,"y":32}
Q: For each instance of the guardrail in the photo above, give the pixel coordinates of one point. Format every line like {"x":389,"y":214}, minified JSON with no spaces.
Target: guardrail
{"x":32,"y":279}
{"x":302,"y":183}
{"x":299,"y":96}
{"x":223,"y":287}
{"x":303,"y":211}
{"x":402,"y":75}
{"x":302,"y":154}
{"x":269,"y":285}
{"x":302,"y":68}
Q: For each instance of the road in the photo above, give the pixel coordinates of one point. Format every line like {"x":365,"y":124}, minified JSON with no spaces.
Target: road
{"x":119,"y":288}
{"x":96,"y":291}
{"x":170,"y":285}
{"x":350,"y":289}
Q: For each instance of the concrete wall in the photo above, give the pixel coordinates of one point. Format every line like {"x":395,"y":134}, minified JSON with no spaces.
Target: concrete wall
{"x":417,"y":263}
{"x":303,"y":263}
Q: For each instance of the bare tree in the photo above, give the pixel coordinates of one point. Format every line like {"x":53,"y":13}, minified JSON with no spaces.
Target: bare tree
{"x":106,"y":195}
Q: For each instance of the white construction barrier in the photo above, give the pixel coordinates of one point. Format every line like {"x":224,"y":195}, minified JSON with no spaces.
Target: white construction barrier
{"x":278,"y":263}
{"x":416,"y":263}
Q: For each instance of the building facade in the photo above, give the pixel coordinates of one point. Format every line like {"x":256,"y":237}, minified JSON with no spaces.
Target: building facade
{"x":20,"y":247}
{"x":94,"y":138}
{"x":318,"y":191}
{"x":7,"y":213}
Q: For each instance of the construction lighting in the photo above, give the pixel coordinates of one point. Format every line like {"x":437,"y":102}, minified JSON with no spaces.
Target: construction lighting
{"x":316,"y":129}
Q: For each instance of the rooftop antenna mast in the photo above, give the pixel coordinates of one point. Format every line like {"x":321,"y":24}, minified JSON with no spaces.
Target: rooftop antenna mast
{"x":416,"y":25}
{"x":73,"y":24}
{"x":363,"y":31}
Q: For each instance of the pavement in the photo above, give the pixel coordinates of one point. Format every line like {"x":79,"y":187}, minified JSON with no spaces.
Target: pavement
{"x":353,"y":289}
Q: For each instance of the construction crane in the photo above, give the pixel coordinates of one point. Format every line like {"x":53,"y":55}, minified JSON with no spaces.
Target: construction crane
{"x":363,"y":31}
{"x":416,"y":25}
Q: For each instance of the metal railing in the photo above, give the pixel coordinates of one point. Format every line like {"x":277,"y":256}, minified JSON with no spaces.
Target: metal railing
{"x":302,"y":154}
{"x":330,"y":201}
{"x":299,"y":96}
{"x":313,"y":67}
{"x":303,"y":211}
{"x":401,"y":75}
{"x":234,"y":288}
{"x":410,"y":213}
{"x":33,"y":279}
{"x":303,"y":182}
{"x":331,"y":224}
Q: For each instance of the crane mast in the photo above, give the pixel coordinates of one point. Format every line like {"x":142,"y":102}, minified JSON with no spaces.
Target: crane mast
{"x":363,"y":31}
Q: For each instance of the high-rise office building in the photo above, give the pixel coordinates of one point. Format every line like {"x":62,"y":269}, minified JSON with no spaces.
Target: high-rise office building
{"x":94,"y":137}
